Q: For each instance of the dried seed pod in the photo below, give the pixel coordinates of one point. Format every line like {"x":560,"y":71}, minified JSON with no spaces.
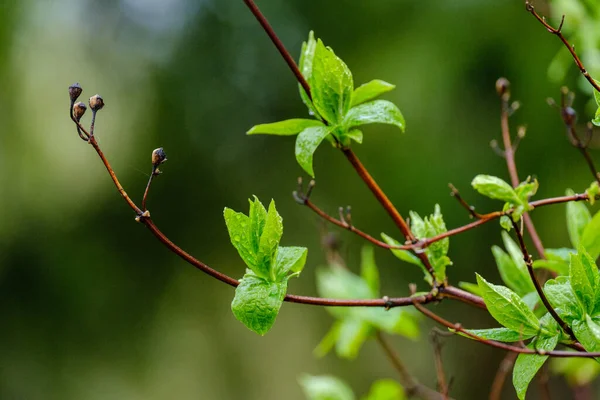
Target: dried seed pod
{"x":158,"y":157}
{"x":96,"y":102}
{"x":75,"y":91}
{"x":78,"y":110}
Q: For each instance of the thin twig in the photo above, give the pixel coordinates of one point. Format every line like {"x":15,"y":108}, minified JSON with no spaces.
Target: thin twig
{"x":443,"y":386}
{"x":499,"y":345}
{"x":411,"y":385}
{"x":503,"y":370}
{"x":538,"y":287}
{"x":471,"y":210}
{"x":502,"y":86}
{"x":558,"y":32}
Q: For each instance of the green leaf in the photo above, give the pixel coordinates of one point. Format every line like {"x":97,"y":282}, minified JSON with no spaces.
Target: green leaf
{"x":585,"y":335}
{"x":506,"y":222}
{"x":578,"y":216}
{"x":386,"y":389}
{"x":470,"y":287}
{"x":590,"y":238}
{"x":375,"y":112}
{"x":332,"y":84}
{"x":257,"y":302}
{"x":395,"y":321}
{"x":370,"y":90}
{"x":526,"y":189}
{"x":584,"y":278}
{"x":499,"y":334}
{"x":557,"y":260}
{"x":306,"y":143}
{"x":513,"y":276}
{"x":406,"y":256}
{"x":353,"y":134}
{"x":508,"y":308}
{"x":258,"y":217}
{"x":352,"y":334}
{"x":306,"y":66}
{"x":284,"y":128}
{"x":269,"y":241}
{"x":436,"y":252}
{"x":328,"y":341}
{"x":495,"y":188}
{"x":578,"y":371}
{"x":593,"y":327}
{"x":597,"y":94}
{"x":368,"y":268}
{"x":290,"y":259}
{"x":594,"y":190}
{"x":325,"y":388}
{"x":527,"y":365}
{"x":560,"y":295}
{"x":237,"y":225}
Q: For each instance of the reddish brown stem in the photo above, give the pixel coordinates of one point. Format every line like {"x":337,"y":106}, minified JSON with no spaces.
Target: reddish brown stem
{"x":558,"y":32}
{"x":499,"y":345}
{"x":503,"y":370}
{"x":538,"y":287}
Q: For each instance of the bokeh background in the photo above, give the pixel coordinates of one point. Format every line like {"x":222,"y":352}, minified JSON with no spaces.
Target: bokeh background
{"x":93,"y":307}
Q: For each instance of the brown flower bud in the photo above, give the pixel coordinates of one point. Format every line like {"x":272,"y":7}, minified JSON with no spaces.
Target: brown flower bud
{"x":502,"y":86}
{"x":96,"y":102}
{"x":158,"y":157}
{"x":75,"y":91}
{"x":78,"y":110}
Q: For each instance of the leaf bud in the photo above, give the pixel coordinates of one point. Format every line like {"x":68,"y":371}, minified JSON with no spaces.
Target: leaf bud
{"x":158,"y":157}
{"x":502,"y":86}
{"x":78,"y":110}
{"x":569,"y":115}
{"x":75,"y":91}
{"x":96,"y":102}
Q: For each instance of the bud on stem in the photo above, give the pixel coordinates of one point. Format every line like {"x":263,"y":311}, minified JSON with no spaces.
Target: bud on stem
{"x":78,"y":110}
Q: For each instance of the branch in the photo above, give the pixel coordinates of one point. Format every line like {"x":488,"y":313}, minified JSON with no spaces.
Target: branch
{"x":529,"y":262}
{"x":499,"y":345}
{"x":558,"y":32}
{"x":412,"y":386}
{"x":503,"y":89}
{"x":503,"y":370}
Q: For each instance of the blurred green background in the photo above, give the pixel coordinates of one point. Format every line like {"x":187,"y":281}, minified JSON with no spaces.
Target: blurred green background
{"x":93,"y":307}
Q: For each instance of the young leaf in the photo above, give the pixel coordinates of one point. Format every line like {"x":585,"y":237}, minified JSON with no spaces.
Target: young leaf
{"x":593,"y":327}
{"x":237,"y":225}
{"x":583,"y":275}
{"x":406,"y":256}
{"x":368,"y":268}
{"x":269,"y":241}
{"x":332,"y":84}
{"x":325,"y":388}
{"x":386,"y":389}
{"x":512,"y":275}
{"x":284,"y":128}
{"x":560,"y":295}
{"x":500,"y":334}
{"x":596,"y":120}
{"x":351,"y":336}
{"x":594,"y":190}
{"x":306,"y":143}
{"x":290,"y":259}
{"x":306,"y":66}
{"x":375,"y":112}
{"x":557,"y":260}
{"x":526,"y":189}
{"x":590,"y":238}
{"x":329,"y":340}
{"x":258,"y":217}
{"x":470,"y":287}
{"x":578,"y":216}
{"x":353,"y":134}
{"x":527,"y":365}
{"x":257,"y":302}
{"x":495,"y":188}
{"x":585,"y":335}
{"x":508,"y":308}
{"x":369,"y":91}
